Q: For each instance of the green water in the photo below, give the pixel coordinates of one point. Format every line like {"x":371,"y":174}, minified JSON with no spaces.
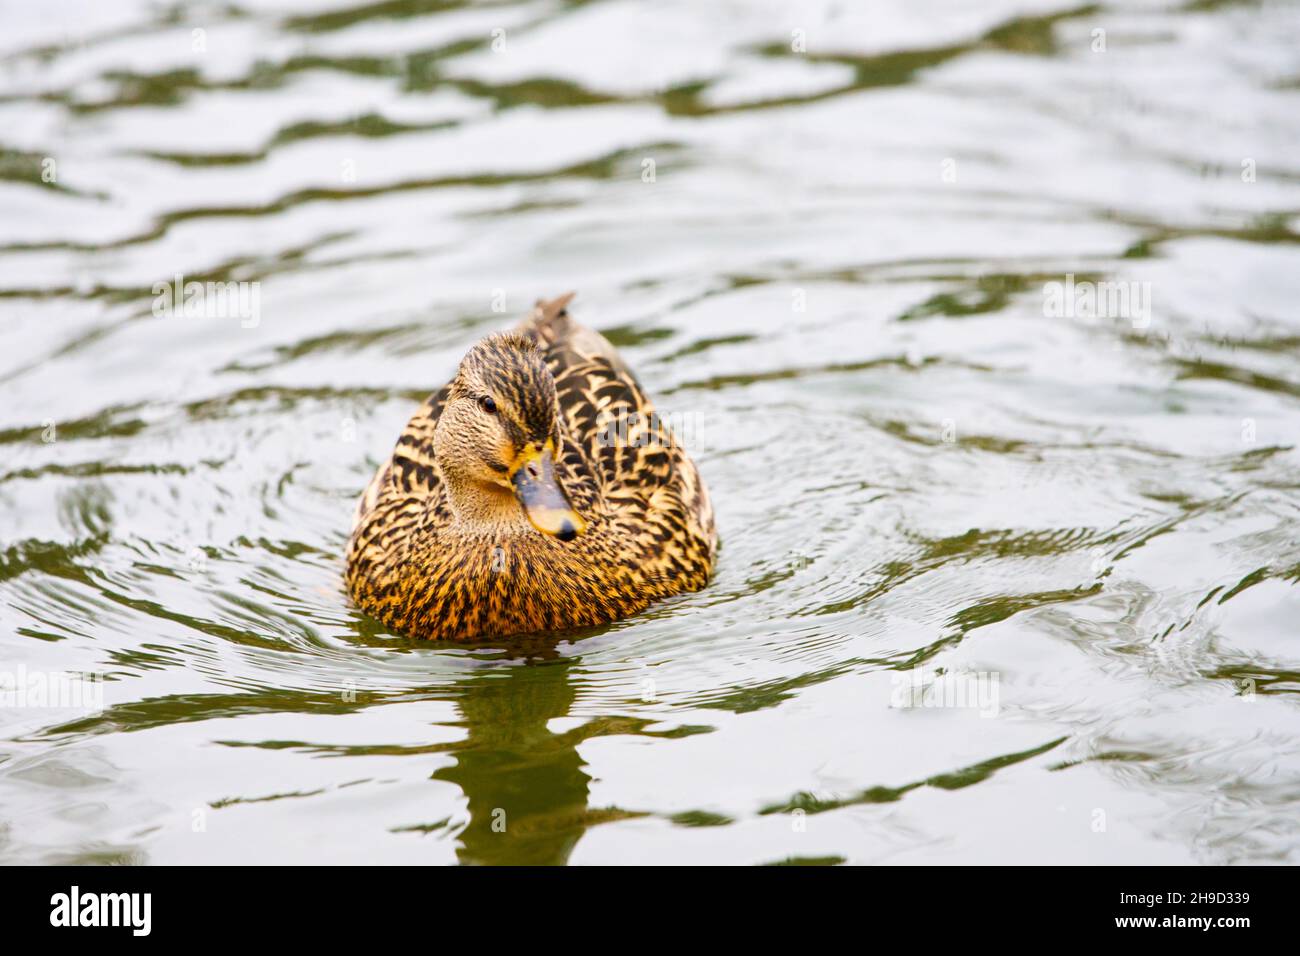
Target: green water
{"x":831,"y":266}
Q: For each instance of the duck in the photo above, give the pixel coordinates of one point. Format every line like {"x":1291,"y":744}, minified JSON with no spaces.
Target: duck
{"x":537,"y":491}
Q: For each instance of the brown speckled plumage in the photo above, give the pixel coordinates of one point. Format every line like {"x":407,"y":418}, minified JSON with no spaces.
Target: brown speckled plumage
{"x":425,"y":571}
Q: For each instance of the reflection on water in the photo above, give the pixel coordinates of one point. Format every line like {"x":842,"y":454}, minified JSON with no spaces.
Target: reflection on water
{"x":524,"y":785}
{"x":837,"y":243}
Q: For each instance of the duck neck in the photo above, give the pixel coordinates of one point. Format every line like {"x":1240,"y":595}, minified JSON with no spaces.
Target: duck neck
{"x":484,"y":508}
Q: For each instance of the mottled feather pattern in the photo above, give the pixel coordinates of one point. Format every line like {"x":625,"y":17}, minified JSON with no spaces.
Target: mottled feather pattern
{"x":650,"y":530}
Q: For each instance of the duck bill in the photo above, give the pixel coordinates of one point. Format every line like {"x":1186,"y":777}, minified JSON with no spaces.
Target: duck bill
{"x":548,"y":510}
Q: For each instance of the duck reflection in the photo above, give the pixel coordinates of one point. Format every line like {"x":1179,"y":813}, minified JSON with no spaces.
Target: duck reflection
{"x":526,"y":786}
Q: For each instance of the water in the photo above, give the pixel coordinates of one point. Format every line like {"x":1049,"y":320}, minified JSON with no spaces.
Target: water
{"x":833,"y":274}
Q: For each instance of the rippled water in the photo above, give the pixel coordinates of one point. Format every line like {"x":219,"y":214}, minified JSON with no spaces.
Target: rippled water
{"x":823,"y":238}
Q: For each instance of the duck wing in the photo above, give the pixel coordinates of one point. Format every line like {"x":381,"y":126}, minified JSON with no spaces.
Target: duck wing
{"x":405,"y":494}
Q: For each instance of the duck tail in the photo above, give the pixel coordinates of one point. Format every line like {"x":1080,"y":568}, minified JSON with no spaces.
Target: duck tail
{"x":555,"y":331}
{"x":549,"y":321}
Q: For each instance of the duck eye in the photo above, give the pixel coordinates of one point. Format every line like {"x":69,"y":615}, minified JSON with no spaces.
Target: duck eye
{"x":487,"y":404}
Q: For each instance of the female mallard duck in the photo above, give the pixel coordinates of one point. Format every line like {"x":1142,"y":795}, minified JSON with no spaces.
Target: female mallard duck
{"x":537,"y":491}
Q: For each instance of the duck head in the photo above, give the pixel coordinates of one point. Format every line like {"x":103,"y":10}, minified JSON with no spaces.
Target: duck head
{"x":497,"y":439}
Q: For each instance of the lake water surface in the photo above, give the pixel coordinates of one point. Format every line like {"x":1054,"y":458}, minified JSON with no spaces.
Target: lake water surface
{"x":982,"y":321}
